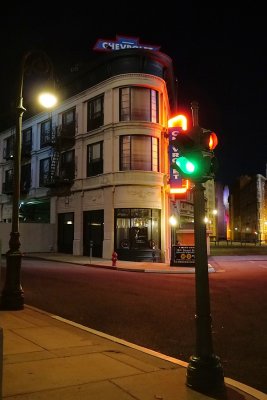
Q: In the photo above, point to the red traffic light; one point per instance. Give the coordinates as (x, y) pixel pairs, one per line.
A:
(213, 140)
(208, 140)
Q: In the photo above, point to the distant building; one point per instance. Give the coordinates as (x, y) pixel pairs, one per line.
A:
(222, 211)
(248, 209)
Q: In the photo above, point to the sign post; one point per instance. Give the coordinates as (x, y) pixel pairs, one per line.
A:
(91, 249)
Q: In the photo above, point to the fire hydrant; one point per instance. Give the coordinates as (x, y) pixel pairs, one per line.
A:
(114, 258)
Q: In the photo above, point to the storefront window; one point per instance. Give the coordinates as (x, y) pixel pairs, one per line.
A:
(137, 228)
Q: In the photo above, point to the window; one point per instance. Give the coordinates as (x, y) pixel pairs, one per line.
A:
(26, 142)
(138, 152)
(8, 152)
(137, 228)
(25, 181)
(44, 173)
(95, 159)
(139, 104)
(95, 113)
(46, 133)
(8, 184)
(67, 166)
(68, 122)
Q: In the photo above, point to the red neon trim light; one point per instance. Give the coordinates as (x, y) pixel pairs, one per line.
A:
(179, 121)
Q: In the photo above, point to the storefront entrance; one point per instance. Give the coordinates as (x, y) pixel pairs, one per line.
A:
(137, 234)
(93, 233)
(65, 232)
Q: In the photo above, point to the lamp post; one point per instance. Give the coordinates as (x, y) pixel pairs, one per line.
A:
(215, 223)
(12, 297)
(173, 223)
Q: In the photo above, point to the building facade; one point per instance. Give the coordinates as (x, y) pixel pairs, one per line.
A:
(97, 166)
(248, 209)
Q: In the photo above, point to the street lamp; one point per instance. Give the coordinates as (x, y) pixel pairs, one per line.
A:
(12, 297)
(173, 223)
(215, 223)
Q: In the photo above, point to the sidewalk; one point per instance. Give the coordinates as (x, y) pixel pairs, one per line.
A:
(47, 357)
(120, 265)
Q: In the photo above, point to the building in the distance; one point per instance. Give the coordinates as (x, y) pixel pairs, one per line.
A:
(248, 209)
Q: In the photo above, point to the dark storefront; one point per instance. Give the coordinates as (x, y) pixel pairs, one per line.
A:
(93, 233)
(137, 234)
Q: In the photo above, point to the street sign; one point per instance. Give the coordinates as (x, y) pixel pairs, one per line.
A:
(184, 255)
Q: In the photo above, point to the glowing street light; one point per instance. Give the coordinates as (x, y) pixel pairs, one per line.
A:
(47, 100)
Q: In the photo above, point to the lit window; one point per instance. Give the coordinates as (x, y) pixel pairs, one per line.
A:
(139, 104)
(138, 152)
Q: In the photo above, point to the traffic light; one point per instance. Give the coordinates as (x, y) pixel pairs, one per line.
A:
(196, 160)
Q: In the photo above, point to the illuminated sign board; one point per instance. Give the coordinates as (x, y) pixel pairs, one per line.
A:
(176, 125)
(184, 255)
(122, 43)
(175, 179)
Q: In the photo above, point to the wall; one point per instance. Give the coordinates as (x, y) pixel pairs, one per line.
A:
(33, 237)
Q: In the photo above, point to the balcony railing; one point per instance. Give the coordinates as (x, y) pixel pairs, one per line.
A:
(63, 178)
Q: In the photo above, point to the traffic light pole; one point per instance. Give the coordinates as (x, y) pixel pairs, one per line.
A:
(204, 371)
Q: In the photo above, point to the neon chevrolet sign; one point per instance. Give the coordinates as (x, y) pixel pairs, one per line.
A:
(176, 125)
(122, 43)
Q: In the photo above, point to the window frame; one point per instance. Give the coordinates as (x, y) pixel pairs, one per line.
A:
(153, 104)
(95, 118)
(67, 167)
(45, 134)
(95, 167)
(130, 161)
(44, 177)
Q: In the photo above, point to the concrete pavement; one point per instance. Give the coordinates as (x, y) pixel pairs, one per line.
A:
(47, 357)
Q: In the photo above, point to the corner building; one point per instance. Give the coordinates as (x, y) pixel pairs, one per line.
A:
(98, 164)
(119, 199)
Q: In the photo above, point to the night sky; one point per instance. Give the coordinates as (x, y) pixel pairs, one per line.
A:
(219, 57)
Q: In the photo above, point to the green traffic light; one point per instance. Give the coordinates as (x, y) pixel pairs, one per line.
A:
(199, 166)
(186, 166)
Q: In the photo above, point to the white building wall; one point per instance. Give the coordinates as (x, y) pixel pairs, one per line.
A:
(33, 237)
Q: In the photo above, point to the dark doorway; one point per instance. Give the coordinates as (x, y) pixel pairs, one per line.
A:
(65, 233)
(93, 232)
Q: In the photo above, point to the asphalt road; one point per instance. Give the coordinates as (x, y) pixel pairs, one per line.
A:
(157, 311)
